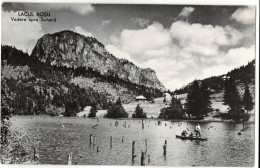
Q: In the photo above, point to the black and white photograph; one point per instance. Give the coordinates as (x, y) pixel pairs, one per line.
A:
(129, 84)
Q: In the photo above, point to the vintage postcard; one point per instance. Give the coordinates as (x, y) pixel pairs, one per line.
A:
(129, 84)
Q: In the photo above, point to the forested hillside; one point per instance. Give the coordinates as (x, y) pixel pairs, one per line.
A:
(243, 74)
(35, 87)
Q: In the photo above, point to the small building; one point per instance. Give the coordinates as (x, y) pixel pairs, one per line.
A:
(225, 77)
(140, 98)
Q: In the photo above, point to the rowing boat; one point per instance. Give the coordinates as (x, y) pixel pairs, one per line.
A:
(191, 138)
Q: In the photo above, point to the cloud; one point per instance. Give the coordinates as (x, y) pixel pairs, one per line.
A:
(166, 69)
(106, 22)
(183, 52)
(186, 11)
(23, 35)
(239, 56)
(82, 31)
(244, 15)
(142, 22)
(152, 38)
(119, 53)
(226, 62)
(204, 39)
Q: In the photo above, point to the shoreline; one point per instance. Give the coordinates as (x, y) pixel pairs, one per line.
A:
(153, 119)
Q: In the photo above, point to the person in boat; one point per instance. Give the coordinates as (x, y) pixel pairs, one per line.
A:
(191, 134)
(184, 133)
(197, 130)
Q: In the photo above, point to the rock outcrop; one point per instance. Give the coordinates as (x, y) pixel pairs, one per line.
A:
(71, 49)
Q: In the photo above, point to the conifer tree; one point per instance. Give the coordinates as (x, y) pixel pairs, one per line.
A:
(198, 101)
(118, 102)
(205, 99)
(70, 109)
(247, 100)
(192, 107)
(233, 100)
(93, 111)
(227, 92)
(116, 110)
(164, 99)
(175, 111)
(139, 112)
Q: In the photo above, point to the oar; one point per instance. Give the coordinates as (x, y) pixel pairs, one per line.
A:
(244, 129)
(95, 126)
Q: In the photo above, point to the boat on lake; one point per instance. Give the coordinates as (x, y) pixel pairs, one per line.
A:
(191, 138)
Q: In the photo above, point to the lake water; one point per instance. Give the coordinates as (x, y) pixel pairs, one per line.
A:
(56, 137)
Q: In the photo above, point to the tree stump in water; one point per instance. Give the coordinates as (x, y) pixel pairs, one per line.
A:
(165, 147)
(142, 159)
(90, 139)
(133, 149)
(110, 141)
(69, 160)
(35, 155)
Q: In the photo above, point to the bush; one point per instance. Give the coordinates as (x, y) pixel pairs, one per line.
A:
(54, 111)
(18, 150)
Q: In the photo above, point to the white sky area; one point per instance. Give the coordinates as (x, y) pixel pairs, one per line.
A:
(185, 50)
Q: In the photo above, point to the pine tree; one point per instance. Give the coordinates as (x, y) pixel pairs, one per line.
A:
(70, 109)
(116, 110)
(205, 102)
(233, 100)
(227, 93)
(93, 111)
(164, 99)
(247, 100)
(192, 107)
(198, 101)
(118, 102)
(189, 104)
(139, 112)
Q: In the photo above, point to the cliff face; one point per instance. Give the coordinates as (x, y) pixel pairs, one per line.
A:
(70, 49)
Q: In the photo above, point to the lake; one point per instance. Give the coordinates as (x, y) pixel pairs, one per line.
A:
(56, 137)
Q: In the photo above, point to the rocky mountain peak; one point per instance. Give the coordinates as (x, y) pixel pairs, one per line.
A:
(70, 49)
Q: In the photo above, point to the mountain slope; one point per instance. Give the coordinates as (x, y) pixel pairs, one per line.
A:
(39, 87)
(243, 74)
(70, 49)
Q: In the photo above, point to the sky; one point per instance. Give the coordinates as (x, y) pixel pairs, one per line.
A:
(180, 42)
